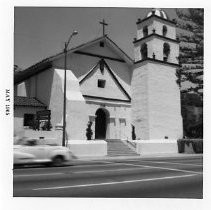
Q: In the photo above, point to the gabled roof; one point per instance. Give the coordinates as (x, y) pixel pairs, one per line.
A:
(47, 63)
(112, 74)
(26, 101)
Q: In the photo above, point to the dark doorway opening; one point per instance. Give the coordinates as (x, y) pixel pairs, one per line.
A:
(100, 124)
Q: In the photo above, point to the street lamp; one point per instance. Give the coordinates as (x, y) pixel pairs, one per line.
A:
(65, 72)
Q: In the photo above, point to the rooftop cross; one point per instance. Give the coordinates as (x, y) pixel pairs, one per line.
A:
(103, 23)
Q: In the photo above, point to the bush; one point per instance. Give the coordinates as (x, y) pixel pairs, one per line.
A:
(47, 126)
(133, 133)
(89, 132)
(197, 145)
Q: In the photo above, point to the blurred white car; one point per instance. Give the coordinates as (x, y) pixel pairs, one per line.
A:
(35, 151)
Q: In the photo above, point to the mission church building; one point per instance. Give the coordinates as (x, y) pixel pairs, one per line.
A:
(108, 88)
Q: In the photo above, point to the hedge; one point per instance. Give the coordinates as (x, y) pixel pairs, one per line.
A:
(197, 145)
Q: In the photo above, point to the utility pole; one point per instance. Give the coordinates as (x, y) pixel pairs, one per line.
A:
(65, 87)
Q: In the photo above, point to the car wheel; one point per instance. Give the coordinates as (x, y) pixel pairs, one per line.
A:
(58, 160)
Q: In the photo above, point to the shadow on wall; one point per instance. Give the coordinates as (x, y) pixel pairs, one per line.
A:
(44, 86)
(56, 100)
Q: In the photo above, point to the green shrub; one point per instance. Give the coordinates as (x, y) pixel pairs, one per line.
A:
(133, 133)
(47, 126)
(181, 145)
(197, 145)
(89, 131)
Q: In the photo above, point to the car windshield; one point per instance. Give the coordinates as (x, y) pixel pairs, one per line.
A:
(34, 142)
(31, 142)
(27, 142)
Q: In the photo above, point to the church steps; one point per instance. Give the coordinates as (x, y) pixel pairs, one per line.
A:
(119, 148)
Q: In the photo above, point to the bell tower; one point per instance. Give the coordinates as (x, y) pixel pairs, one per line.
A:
(156, 106)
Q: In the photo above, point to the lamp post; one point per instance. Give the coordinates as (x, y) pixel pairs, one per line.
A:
(65, 78)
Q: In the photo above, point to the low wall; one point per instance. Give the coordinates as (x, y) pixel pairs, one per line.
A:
(83, 148)
(145, 147)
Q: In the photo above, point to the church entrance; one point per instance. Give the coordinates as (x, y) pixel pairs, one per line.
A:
(101, 122)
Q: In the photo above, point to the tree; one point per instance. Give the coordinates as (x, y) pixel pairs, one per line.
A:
(190, 31)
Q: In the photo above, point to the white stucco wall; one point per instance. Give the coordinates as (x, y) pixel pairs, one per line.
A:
(156, 109)
(49, 90)
(21, 89)
(141, 25)
(164, 102)
(119, 122)
(155, 45)
(88, 148)
(171, 29)
(140, 109)
(157, 24)
(76, 108)
(81, 64)
(156, 147)
(111, 89)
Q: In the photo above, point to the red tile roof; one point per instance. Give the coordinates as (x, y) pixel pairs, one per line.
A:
(26, 101)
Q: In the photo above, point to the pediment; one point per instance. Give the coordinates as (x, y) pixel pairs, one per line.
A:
(92, 83)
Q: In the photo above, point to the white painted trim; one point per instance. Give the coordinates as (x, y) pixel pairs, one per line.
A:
(164, 168)
(108, 170)
(174, 163)
(113, 183)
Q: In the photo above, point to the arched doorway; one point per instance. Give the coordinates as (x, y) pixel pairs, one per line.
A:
(101, 122)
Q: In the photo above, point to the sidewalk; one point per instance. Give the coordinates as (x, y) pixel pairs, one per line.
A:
(142, 157)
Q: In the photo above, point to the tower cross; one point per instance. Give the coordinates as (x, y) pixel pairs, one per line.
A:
(103, 23)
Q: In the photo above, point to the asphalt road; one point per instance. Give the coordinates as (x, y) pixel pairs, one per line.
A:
(134, 178)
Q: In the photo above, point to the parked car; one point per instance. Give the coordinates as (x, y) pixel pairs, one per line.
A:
(35, 151)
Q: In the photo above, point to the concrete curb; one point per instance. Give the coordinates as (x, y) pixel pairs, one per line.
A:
(155, 156)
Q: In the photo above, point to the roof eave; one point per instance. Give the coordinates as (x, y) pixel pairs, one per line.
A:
(158, 17)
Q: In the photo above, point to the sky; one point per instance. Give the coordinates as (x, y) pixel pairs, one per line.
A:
(40, 32)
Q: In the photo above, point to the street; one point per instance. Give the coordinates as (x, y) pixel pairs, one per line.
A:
(178, 177)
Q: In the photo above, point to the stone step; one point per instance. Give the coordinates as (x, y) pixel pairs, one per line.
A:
(118, 148)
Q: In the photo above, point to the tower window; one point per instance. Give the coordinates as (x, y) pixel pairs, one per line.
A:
(164, 30)
(166, 49)
(145, 31)
(101, 44)
(144, 51)
(101, 83)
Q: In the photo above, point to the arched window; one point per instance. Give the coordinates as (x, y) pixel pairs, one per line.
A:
(166, 50)
(145, 31)
(144, 51)
(164, 30)
(102, 66)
